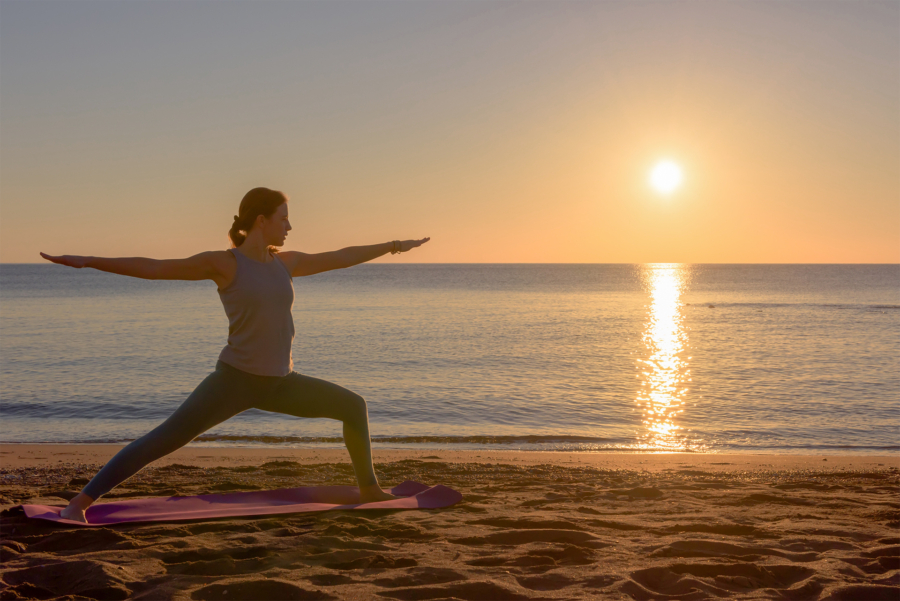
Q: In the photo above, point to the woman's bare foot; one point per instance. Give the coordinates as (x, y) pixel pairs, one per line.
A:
(76, 508)
(372, 494)
(74, 514)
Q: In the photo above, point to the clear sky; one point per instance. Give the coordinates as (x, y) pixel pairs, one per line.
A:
(506, 131)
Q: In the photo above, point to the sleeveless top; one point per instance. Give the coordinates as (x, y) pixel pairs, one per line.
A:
(258, 303)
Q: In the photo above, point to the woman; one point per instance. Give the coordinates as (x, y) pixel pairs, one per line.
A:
(255, 367)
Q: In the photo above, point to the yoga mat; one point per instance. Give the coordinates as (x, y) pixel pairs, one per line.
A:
(260, 502)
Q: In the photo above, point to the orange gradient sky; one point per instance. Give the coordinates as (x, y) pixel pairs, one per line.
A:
(505, 131)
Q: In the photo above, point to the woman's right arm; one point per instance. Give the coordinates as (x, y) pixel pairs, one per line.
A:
(203, 266)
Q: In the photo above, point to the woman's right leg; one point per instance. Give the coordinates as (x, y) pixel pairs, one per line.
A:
(305, 396)
(221, 395)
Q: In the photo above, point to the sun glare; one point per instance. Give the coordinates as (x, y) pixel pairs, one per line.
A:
(665, 177)
(665, 370)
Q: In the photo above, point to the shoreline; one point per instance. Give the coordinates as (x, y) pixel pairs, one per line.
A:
(27, 455)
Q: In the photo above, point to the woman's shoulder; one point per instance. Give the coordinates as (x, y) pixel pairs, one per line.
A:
(223, 265)
(286, 257)
(223, 257)
(223, 262)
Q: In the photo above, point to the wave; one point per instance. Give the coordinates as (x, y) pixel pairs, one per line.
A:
(440, 440)
(482, 439)
(562, 443)
(861, 307)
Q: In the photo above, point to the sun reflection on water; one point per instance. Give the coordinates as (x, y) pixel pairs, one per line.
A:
(664, 372)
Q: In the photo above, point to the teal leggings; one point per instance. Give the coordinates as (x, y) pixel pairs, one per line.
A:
(228, 391)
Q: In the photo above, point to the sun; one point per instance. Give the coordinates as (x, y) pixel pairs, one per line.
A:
(665, 177)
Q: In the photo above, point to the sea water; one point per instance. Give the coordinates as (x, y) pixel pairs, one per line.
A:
(581, 357)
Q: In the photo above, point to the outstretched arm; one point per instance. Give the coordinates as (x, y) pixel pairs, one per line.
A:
(203, 266)
(301, 264)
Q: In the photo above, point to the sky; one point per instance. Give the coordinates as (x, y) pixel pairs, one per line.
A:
(508, 132)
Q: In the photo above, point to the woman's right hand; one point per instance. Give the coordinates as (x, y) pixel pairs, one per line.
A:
(408, 245)
(69, 260)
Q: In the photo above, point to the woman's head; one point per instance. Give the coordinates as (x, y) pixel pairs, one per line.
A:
(261, 210)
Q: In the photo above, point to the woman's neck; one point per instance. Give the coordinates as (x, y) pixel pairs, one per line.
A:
(256, 250)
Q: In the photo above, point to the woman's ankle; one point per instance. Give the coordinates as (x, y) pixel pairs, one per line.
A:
(81, 501)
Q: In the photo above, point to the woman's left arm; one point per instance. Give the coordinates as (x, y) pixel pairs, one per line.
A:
(301, 264)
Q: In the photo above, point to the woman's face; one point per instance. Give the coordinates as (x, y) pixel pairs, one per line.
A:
(276, 226)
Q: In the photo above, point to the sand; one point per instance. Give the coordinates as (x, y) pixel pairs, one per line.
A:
(530, 526)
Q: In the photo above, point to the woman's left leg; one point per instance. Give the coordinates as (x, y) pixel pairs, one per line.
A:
(221, 395)
(305, 396)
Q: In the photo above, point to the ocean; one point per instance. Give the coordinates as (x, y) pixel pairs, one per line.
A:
(707, 358)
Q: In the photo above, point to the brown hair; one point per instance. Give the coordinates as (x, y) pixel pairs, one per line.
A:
(256, 202)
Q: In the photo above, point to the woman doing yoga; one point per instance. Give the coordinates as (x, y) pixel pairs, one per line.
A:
(255, 367)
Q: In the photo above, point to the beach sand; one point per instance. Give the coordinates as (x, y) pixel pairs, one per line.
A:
(530, 526)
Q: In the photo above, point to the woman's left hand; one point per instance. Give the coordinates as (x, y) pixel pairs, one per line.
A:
(75, 261)
(406, 245)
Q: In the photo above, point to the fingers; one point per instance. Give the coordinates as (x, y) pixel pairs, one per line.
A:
(58, 260)
(414, 243)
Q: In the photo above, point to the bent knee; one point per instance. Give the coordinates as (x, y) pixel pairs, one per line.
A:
(356, 406)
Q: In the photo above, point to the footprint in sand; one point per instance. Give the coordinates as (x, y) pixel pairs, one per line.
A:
(419, 576)
(759, 498)
(72, 542)
(546, 582)
(527, 524)
(522, 561)
(330, 579)
(372, 561)
(879, 560)
(464, 590)
(601, 581)
(521, 537)
(290, 531)
(707, 548)
(724, 529)
(568, 555)
(213, 562)
(856, 592)
(702, 580)
(397, 531)
(341, 542)
(10, 550)
(613, 525)
(638, 493)
(253, 590)
(223, 566)
(84, 578)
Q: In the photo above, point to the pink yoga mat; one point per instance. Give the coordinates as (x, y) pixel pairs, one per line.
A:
(262, 502)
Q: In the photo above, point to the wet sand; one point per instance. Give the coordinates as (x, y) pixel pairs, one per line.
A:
(530, 526)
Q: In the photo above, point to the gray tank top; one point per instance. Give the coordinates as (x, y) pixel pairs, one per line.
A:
(258, 303)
